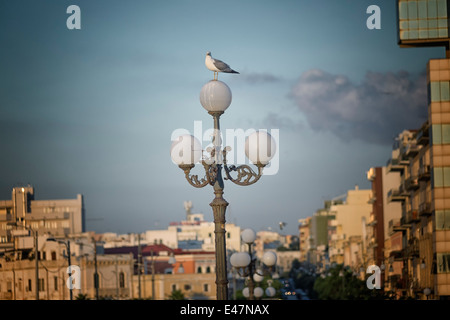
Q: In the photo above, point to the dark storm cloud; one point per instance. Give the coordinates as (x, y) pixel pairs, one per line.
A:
(375, 111)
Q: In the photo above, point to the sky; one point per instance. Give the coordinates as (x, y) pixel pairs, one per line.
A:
(92, 111)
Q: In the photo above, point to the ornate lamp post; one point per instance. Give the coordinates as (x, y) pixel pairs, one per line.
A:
(186, 151)
(245, 264)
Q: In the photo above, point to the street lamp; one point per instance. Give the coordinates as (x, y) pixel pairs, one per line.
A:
(96, 279)
(67, 244)
(171, 261)
(186, 151)
(245, 264)
(36, 253)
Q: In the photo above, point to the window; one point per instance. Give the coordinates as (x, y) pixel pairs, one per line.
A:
(187, 287)
(55, 283)
(121, 279)
(228, 235)
(443, 262)
(41, 284)
(199, 270)
(442, 219)
(206, 287)
(30, 288)
(53, 254)
(208, 269)
(422, 19)
(174, 287)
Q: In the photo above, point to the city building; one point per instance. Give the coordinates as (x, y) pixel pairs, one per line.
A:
(383, 216)
(193, 233)
(304, 236)
(426, 238)
(18, 273)
(56, 217)
(349, 220)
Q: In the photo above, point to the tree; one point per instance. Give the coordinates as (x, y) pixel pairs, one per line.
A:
(176, 295)
(339, 283)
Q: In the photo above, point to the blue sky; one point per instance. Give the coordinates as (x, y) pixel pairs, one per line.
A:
(92, 111)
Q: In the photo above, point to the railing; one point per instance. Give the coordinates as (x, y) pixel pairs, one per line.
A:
(412, 216)
(412, 250)
(411, 183)
(396, 195)
(425, 209)
(396, 164)
(424, 172)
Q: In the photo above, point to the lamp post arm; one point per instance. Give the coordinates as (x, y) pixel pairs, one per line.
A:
(193, 179)
(245, 174)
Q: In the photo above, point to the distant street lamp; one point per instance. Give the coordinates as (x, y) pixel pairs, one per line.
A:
(245, 264)
(171, 262)
(36, 252)
(186, 151)
(67, 244)
(96, 279)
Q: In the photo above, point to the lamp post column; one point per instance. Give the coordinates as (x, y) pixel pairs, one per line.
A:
(219, 205)
(251, 283)
(70, 269)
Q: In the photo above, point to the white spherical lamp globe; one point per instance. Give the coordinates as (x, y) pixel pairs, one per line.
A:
(248, 236)
(246, 292)
(258, 292)
(270, 291)
(260, 147)
(186, 150)
(215, 96)
(240, 259)
(269, 258)
(257, 277)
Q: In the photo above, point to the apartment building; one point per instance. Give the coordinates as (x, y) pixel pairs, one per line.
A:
(425, 219)
(349, 221)
(59, 218)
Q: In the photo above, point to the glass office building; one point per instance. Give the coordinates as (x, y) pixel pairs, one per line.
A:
(423, 22)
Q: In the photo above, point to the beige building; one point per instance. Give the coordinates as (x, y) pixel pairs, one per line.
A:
(194, 286)
(349, 220)
(56, 217)
(304, 237)
(18, 273)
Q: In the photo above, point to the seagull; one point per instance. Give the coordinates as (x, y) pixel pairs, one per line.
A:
(217, 66)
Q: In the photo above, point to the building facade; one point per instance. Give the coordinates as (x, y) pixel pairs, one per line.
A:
(56, 217)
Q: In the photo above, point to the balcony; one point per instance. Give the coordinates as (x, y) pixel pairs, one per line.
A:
(397, 255)
(404, 222)
(395, 226)
(424, 173)
(412, 250)
(396, 164)
(396, 195)
(412, 149)
(412, 216)
(411, 183)
(372, 220)
(425, 209)
(371, 174)
(423, 136)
